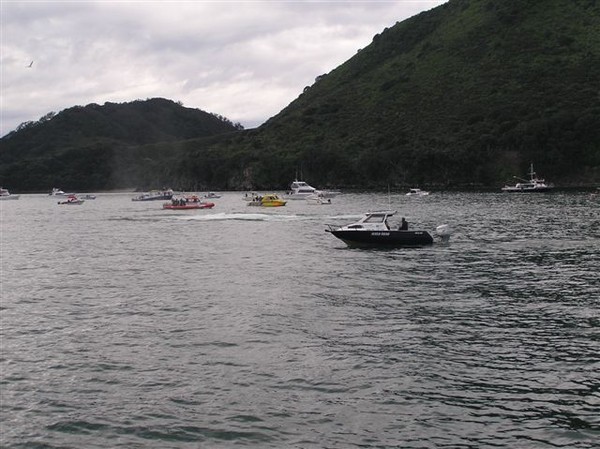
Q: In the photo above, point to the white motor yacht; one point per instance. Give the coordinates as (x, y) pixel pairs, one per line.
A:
(300, 190)
(534, 184)
(57, 192)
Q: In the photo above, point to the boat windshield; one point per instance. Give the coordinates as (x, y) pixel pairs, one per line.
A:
(375, 218)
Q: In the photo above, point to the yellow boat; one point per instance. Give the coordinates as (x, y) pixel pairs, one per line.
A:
(268, 200)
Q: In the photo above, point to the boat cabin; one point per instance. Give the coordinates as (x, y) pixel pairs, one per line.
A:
(301, 187)
(372, 221)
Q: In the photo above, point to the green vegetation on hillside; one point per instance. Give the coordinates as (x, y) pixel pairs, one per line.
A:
(468, 93)
(97, 147)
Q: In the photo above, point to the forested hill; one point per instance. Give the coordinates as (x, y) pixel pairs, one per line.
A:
(80, 144)
(470, 92)
(136, 123)
(467, 94)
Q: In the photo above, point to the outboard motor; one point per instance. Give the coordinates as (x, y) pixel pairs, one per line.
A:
(444, 232)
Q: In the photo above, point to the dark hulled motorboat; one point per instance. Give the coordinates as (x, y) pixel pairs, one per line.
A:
(374, 230)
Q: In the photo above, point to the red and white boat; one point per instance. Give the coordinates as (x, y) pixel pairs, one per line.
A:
(188, 202)
(72, 199)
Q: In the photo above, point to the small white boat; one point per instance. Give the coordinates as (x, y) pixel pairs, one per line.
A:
(300, 190)
(155, 195)
(212, 195)
(534, 184)
(318, 199)
(417, 192)
(56, 192)
(6, 195)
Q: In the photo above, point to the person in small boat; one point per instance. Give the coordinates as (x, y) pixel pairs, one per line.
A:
(404, 225)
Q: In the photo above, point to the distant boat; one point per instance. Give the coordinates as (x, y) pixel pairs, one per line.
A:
(268, 200)
(300, 190)
(417, 192)
(317, 198)
(534, 184)
(188, 202)
(56, 192)
(6, 195)
(212, 195)
(249, 196)
(155, 195)
(72, 200)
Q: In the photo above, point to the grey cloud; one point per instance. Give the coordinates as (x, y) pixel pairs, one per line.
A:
(243, 60)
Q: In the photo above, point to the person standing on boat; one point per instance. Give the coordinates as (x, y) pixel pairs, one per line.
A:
(404, 225)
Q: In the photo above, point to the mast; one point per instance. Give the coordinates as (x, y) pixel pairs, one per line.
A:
(531, 172)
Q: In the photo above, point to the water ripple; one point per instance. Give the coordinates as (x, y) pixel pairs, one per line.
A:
(126, 327)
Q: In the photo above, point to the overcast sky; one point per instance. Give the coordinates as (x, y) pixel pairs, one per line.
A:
(245, 60)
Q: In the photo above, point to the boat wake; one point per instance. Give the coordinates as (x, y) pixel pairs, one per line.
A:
(233, 216)
(239, 216)
(345, 217)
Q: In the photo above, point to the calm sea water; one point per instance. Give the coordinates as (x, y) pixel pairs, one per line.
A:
(126, 326)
